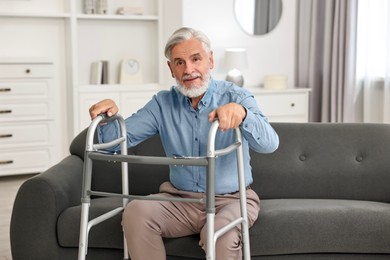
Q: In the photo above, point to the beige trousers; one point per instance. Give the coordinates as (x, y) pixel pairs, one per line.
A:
(146, 222)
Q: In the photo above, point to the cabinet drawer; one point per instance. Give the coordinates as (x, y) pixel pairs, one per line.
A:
(28, 111)
(19, 162)
(282, 104)
(24, 89)
(24, 135)
(26, 70)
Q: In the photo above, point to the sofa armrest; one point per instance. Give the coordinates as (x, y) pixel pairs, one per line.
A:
(38, 203)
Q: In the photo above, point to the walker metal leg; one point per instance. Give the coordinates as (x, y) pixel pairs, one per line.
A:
(210, 255)
(83, 246)
(125, 249)
(210, 205)
(125, 187)
(85, 203)
(243, 201)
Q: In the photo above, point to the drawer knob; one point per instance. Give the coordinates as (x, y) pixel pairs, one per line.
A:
(6, 111)
(6, 136)
(292, 105)
(28, 71)
(6, 162)
(5, 89)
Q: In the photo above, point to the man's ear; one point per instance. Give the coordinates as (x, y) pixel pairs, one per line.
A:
(169, 66)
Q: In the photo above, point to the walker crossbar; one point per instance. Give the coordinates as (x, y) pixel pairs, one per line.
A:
(138, 159)
(143, 197)
(92, 153)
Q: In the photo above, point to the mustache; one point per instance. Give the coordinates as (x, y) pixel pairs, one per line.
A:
(192, 76)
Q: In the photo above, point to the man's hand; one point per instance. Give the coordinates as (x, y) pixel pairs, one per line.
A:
(106, 106)
(230, 116)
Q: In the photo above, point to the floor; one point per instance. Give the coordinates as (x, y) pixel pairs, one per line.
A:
(9, 186)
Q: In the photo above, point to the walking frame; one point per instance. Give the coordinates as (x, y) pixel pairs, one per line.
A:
(92, 153)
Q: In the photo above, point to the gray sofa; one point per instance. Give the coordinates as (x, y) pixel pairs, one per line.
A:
(325, 195)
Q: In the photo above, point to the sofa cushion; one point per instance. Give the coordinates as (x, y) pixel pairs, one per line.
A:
(293, 226)
(326, 161)
(285, 226)
(144, 179)
(108, 234)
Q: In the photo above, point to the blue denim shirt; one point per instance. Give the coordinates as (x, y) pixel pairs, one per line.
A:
(184, 131)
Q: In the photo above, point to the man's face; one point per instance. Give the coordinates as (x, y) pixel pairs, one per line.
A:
(190, 65)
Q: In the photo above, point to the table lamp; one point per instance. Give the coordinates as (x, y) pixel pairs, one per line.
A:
(235, 60)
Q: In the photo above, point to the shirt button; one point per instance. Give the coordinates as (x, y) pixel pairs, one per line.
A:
(196, 139)
(196, 117)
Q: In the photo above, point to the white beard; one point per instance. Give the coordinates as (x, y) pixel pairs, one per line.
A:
(194, 91)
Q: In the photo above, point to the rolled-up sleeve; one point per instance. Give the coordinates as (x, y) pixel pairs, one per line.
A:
(256, 129)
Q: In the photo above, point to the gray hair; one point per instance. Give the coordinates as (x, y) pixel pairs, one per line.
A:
(184, 34)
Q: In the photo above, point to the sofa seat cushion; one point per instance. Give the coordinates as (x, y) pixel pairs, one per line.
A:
(108, 234)
(293, 226)
(285, 226)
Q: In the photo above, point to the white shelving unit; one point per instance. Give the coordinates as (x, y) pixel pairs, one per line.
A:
(33, 55)
(112, 38)
(60, 31)
(83, 39)
(29, 125)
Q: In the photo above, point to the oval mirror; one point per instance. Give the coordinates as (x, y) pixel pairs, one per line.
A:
(257, 17)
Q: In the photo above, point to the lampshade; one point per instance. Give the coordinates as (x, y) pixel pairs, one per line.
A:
(235, 61)
(235, 58)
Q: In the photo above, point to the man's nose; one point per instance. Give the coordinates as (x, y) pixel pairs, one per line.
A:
(189, 68)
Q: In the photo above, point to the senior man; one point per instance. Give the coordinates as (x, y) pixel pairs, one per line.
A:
(182, 117)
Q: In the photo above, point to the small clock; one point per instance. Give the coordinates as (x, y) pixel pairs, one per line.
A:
(130, 72)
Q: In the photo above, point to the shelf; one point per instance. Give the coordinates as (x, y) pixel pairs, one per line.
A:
(276, 91)
(118, 17)
(24, 60)
(35, 15)
(119, 87)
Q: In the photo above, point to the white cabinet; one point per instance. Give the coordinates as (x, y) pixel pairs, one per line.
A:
(61, 31)
(33, 85)
(128, 99)
(113, 38)
(29, 127)
(287, 105)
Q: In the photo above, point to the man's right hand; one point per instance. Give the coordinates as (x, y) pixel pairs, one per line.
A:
(106, 106)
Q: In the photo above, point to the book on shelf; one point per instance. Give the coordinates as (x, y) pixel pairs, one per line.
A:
(99, 72)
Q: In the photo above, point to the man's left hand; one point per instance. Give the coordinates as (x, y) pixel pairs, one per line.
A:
(230, 116)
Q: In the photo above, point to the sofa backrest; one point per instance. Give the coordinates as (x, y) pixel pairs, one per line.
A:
(326, 161)
(314, 160)
(143, 179)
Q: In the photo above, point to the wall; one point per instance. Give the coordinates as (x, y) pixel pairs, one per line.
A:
(272, 53)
